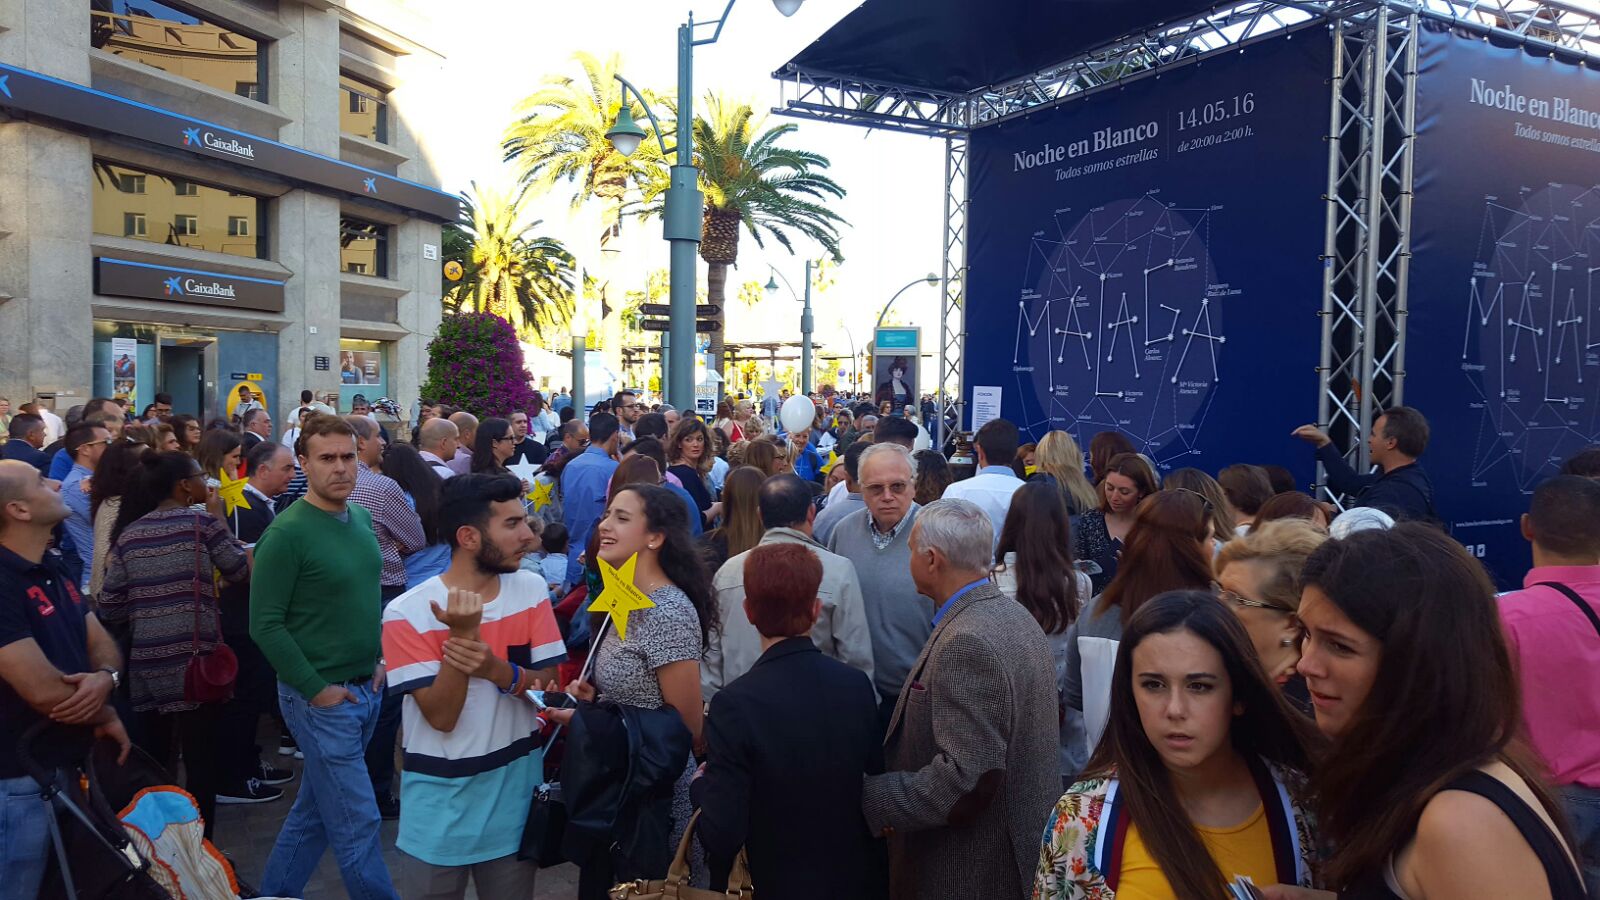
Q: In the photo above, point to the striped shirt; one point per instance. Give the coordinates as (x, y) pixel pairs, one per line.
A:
(465, 793)
(394, 521)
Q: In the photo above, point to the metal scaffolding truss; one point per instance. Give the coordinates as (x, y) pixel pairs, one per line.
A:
(1372, 132)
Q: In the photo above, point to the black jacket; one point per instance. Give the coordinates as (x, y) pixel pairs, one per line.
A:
(617, 778)
(528, 451)
(788, 744)
(1404, 493)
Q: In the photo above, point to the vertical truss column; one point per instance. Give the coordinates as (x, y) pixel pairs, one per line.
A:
(1367, 246)
(952, 316)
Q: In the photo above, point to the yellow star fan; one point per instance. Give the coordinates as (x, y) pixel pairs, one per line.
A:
(620, 596)
(231, 490)
(833, 460)
(541, 494)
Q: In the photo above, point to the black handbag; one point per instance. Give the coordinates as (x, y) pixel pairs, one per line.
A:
(545, 828)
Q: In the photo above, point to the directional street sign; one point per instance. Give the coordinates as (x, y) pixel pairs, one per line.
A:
(703, 311)
(700, 325)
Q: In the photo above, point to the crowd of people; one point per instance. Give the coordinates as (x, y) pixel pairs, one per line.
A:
(864, 670)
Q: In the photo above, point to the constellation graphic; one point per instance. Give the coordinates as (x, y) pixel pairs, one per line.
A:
(1530, 331)
(1119, 324)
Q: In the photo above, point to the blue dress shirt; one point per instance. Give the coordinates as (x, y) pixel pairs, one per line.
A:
(583, 501)
(79, 524)
(953, 598)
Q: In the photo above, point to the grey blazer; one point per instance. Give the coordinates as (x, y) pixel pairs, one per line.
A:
(971, 754)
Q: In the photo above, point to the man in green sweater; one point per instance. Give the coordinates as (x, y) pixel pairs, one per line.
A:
(314, 611)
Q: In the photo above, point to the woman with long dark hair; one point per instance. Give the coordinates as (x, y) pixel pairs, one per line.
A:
(741, 527)
(1168, 549)
(187, 430)
(112, 477)
(219, 451)
(493, 445)
(768, 455)
(1098, 534)
(1223, 528)
(1428, 791)
(1199, 778)
(1035, 569)
(1104, 447)
(406, 466)
(659, 664)
(933, 476)
(167, 546)
(689, 457)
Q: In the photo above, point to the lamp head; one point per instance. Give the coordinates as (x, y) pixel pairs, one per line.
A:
(771, 286)
(932, 278)
(788, 7)
(626, 134)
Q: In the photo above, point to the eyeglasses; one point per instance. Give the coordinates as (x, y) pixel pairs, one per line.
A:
(1195, 493)
(94, 443)
(894, 487)
(508, 437)
(1228, 596)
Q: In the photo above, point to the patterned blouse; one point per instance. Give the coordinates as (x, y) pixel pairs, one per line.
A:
(161, 577)
(1092, 542)
(669, 632)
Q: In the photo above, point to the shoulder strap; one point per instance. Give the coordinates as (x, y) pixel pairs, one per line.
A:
(1577, 601)
(1546, 844)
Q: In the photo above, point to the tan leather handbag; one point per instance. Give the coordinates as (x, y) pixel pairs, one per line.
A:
(676, 885)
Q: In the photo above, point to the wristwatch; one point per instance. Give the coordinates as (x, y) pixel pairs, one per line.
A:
(116, 677)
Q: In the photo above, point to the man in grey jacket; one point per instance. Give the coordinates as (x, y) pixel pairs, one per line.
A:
(972, 744)
(840, 631)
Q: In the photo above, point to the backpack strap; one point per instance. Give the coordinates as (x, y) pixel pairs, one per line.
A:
(1577, 601)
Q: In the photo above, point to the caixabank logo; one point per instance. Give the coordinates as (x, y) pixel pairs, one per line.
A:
(179, 286)
(194, 137)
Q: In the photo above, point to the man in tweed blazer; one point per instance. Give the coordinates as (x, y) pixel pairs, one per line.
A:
(972, 745)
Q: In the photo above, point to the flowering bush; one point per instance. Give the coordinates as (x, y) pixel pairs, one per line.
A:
(475, 364)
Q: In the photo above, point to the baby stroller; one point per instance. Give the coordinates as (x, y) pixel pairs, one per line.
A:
(120, 832)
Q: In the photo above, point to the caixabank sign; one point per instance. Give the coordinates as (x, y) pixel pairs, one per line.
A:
(147, 281)
(88, 110)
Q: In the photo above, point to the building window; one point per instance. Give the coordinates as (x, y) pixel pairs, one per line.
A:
(233, 223)
(365, 110)
(175, 40)
(363, 247)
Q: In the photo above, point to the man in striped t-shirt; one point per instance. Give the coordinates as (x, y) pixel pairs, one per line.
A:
(462, 647)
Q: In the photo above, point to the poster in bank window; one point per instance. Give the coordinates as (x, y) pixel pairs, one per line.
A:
(1147, 260)
(360, 366)
(1503, 344)
(124, 369)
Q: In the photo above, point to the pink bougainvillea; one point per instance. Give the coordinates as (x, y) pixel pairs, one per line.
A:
(475, 364)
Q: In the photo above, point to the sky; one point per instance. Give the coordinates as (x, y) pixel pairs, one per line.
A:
(499, 51)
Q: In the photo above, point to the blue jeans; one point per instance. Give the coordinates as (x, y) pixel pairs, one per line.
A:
(335, 805)
(24, 838)
(1582, 805)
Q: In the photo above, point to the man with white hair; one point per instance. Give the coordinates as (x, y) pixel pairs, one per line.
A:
(876, 540)
(971, 750)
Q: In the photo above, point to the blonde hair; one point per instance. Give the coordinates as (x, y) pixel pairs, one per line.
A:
(1058, 456)
(1281, 547)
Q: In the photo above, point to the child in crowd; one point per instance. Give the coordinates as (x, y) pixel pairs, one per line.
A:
(554, 564)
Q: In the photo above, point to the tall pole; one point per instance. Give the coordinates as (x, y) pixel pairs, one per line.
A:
(666, 356)
(682, 228)
(806, 327)
(580, 345)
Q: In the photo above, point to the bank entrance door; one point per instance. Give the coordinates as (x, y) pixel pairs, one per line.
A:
(183, 374)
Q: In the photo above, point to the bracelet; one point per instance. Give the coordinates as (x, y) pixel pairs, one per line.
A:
(516, 676)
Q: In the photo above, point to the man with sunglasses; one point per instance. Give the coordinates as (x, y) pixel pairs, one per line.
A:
(86, 443)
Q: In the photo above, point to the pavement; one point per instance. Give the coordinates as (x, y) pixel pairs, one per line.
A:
(246, 834)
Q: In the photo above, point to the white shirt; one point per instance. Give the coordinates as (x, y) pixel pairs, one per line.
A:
(54, 428)
(991, 490)
(437, 464)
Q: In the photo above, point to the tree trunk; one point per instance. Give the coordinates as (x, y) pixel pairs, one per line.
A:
(717, 295)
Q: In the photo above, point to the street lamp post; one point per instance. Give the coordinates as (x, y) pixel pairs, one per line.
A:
(683, 203)
(807, 326)
(929, 278)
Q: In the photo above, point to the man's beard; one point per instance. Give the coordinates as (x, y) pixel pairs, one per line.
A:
(492, 561)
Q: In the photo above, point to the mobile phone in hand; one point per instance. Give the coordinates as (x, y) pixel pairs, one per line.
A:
(543, 700)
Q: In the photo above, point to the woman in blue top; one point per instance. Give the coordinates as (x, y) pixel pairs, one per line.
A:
(404, 464)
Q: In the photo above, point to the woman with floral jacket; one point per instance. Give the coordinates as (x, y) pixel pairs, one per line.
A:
(1197, 780)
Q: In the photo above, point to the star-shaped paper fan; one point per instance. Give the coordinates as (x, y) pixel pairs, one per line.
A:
(231, 490)
(620, 595)
(541, 494)
(833, 460)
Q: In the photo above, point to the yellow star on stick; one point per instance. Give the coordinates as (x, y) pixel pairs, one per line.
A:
(540, 495)
(620, 596)
(833, 460)
(231, 490)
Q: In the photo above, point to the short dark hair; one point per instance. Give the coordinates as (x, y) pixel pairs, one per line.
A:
(784, 500)
(570, 426)
(1408, 428)
(649, 448)
(465, 500)
(305, 396)
(852, 458)
(780, 587)
(900, 430)
(1246, 487)
(99, 404)
(22, 424)
(164, 398)
(250, 415)
(998, 440)
(554, 538)
(1564, 516)
(78, 435)
(259, 455)
(319, 425)
(651, 425)
(1281, 479)
(602, 426)
(1585, 463)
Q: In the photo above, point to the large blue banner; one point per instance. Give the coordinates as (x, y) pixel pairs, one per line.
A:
(1503, 349)
(1148, 260)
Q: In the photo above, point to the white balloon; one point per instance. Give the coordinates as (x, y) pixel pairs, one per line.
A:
(797, 413)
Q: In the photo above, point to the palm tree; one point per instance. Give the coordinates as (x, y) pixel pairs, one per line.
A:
(560, 136)
(510, 271)
(752, 182)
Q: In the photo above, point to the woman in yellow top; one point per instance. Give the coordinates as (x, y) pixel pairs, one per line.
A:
(1197, 780)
